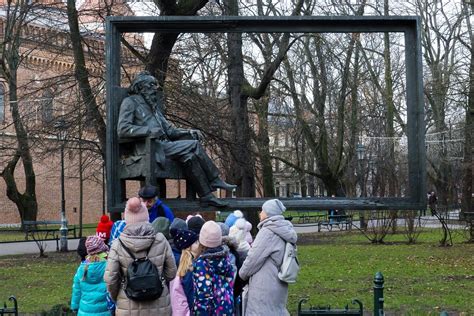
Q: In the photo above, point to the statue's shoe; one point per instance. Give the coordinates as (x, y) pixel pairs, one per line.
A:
(211, 200)
(221, 184)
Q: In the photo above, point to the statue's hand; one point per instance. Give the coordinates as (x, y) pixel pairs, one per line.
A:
(157, 132)
(196, 134)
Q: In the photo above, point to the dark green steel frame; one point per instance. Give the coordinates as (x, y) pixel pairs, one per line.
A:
(408, 25)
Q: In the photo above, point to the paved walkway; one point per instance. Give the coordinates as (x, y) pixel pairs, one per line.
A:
(30, 247)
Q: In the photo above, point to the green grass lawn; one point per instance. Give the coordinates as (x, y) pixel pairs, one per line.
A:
(420, 279)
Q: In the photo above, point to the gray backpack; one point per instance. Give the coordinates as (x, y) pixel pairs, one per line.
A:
(290, 266)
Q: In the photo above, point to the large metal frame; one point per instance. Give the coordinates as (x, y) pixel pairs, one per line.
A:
(408, 25)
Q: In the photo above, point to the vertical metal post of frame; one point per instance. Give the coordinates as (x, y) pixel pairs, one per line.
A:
(415, 114)
(112, 52)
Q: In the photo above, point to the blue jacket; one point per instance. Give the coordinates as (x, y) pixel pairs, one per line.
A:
(117, 229)
(160, 207)
(176, 254)
(188, 287)
(89, 296)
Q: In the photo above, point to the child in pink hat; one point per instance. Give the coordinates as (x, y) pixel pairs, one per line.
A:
(214, 274)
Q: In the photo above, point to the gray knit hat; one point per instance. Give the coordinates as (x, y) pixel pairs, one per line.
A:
(178, 223)
(273, 207)
(162, 225)
(224, 229)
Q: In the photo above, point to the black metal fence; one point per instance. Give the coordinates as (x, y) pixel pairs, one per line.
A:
(10, 310)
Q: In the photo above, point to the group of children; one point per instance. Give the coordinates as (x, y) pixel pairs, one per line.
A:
(198, 260)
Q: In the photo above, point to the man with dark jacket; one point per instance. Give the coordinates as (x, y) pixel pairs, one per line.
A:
(156, 208)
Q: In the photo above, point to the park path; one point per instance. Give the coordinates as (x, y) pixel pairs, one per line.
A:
(30, 247)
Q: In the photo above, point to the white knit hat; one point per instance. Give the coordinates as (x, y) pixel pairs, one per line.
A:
(273, 207)
(210, 235)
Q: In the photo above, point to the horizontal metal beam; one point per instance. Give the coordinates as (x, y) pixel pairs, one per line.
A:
(288, 24)
(295, 204)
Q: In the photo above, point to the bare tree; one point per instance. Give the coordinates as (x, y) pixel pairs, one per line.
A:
(240, 91)
(16, 18)
(440, 36)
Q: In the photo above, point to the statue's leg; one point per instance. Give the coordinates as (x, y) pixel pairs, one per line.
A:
(207, 164)
(191, 150)
(196, 175)
(211, 171)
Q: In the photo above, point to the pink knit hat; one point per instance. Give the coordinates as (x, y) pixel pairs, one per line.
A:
(211, 235)
(135, 212)
(95, 244)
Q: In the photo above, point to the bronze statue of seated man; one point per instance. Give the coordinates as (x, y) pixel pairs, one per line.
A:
(141, 116)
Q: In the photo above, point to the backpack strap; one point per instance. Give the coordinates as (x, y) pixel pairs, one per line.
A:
(130, 252)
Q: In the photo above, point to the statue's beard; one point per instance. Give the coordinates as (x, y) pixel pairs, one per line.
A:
(151, 98)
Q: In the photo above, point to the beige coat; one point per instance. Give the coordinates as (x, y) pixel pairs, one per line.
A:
(138, 238)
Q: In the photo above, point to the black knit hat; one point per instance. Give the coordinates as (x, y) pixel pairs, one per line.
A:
(148, 192)
(195, 223)
(184, 238)
(177, 223)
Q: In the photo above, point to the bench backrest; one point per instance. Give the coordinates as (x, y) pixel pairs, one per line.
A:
(42, 223)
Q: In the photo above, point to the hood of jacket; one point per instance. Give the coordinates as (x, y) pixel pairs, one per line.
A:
(281, 227)
(138, 237)
(95, 271)
(218, 259)
(230, 242)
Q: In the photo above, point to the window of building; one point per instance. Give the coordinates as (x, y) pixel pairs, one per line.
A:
(2, 102)
(47, 106)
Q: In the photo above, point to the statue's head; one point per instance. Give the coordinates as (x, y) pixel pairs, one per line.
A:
(142, 82)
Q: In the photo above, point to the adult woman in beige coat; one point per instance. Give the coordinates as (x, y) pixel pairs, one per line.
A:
(138, 236)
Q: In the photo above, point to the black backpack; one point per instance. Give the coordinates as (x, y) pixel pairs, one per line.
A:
(144, 282)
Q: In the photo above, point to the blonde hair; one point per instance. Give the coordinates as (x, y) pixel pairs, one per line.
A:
(187, 258)
(185, 262)
(93, 258)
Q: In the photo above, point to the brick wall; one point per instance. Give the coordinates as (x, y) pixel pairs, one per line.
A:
(48, 192)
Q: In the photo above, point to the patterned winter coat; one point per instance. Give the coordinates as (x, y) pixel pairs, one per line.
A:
(138, 238)
(89, 294)
(213, 283)
(267, 295)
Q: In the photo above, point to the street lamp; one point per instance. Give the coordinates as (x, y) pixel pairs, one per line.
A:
(360, 150)
(61, 128)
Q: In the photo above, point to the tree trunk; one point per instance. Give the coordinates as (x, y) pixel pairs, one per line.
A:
(25, 202)
(82, 76)
(390, 107)
(263, 147)
(163, 43)
(242, 153)
(159, 55)
(467, 200)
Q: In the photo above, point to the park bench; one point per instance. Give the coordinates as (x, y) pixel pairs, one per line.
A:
(341, 221)
(327, 310)
(33, 228)
(10, 310)
(309, 217)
